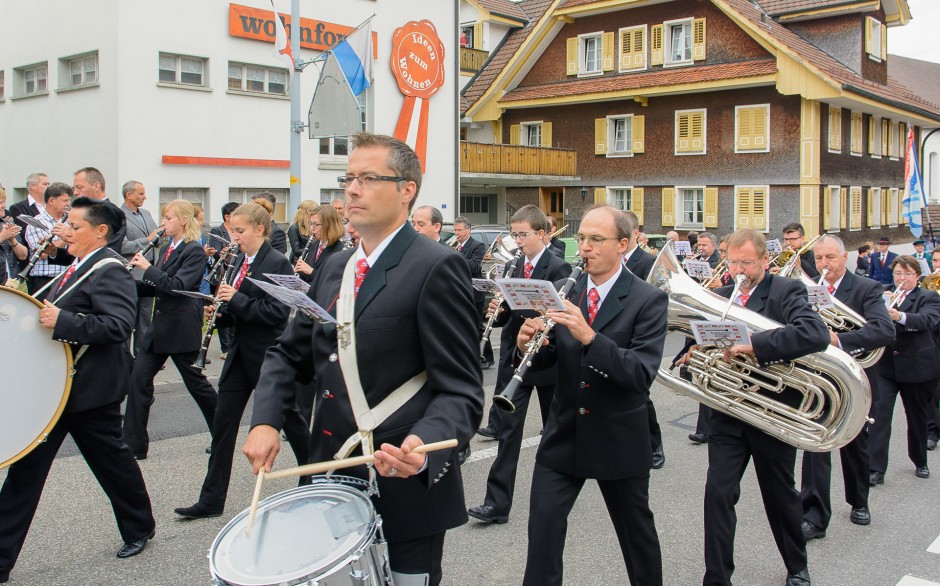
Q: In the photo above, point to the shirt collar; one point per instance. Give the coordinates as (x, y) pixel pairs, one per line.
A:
(535, 260)
(78, 262)
(836, 285)
(629, 253)
(374, 257)
(604, 290)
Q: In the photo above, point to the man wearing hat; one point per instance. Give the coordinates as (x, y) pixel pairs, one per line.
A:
(920, 255)
(880, 268)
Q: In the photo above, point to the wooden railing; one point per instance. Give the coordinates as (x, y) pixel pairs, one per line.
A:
(516, 160)
(472, 60)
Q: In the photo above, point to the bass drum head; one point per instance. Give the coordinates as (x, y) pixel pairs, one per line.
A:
(298, 535)
(37, 376)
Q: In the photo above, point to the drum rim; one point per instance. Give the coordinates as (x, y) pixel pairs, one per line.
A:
(234, 524)
(34, 443)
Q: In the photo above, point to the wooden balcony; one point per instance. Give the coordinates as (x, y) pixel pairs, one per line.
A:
(472, 60)
(506, 159)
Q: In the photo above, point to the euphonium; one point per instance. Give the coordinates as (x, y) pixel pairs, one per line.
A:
(832, 388)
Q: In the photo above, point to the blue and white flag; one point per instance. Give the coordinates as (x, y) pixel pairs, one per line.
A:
(354, 55)
(913, 189)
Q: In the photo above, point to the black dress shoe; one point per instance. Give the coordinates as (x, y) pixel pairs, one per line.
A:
(876, 478)
(209, 450)
(462, 455)
(198, 511)
(140, 456)
(800, 578)
(931, 444)
(487, 364)
(659, 458)
(135, 547)
(488, 432)
(699, 438)
(811, 531)
(922, 472)
(487, 514)
(860, 516)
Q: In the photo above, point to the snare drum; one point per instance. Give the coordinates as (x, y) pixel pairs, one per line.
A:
(325, 534)
(38, 376)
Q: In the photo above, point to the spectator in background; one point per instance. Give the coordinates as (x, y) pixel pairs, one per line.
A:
(880, 267)
(863, 264)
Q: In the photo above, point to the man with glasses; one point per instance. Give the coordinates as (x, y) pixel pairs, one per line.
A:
(881, 261)
(732, 443)
(527, 227)
(794, 237)
(428, 220)
(397, 290)
(598, 427)
(473, 251)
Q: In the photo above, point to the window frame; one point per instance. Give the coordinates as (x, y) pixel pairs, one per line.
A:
(680, 207)
(19, 80)
(65, 72)
(737, 109)
(179, 195)
(853, 189)
(612, 120)
(598, 38)
(876, 41)
(835, 208)
(524, 132)
(243, 91)
(281, 196)
(704, 150)
(646, 58)
(877, 213)
(667, 42)
(627, 199)
(178, 72)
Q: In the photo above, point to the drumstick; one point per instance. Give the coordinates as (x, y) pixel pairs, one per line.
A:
(321, 467)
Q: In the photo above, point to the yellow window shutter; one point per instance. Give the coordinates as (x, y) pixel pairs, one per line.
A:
(760, 133)
(884, 42)
(835, 128)
(600, 136)
(868, 48)
(885, 137)
(827, 209)
(871, 135)
(697, 131)
(902, 219)
(742, 212)
(626, 48)
(639, 134)
(600, 195)
(759, 208)
(682, 133)
(871, 207)
(711, 207)
(885, 212)
(478, 35)
(656, 46)
(669, 206)
(745, 134)
(546, 134)
(843, 209)
(573, 56)
(902, 138)
(639, 47)
(608, 52)
(515, 133)
(698, 39)
(636, 203)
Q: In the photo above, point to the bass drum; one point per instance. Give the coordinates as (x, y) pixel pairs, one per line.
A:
(37, 377)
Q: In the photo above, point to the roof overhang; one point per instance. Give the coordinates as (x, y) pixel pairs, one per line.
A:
(513, 180)
(489, 15)
(604, 6)
(829, 11)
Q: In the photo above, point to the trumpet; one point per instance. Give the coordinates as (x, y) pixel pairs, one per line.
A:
(896, 298)
(150, 246)
(40, 248)
(499, 302)
(200, 362)
(504, 400)
(716, 274)
(787, 256)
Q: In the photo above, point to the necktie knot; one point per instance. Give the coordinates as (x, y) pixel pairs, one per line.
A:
(594, 300)
(528, 270)
(319, 252)
(744, 297)
(362, 268)
(169, 251)
(831, 289)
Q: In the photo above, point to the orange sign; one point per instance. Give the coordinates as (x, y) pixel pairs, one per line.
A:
(254, 23)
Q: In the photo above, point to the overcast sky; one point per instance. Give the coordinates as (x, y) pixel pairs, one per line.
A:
(918, 39)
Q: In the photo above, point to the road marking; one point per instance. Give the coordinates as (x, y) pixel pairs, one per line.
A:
(491, 452)
(912, 581)
(935, 546)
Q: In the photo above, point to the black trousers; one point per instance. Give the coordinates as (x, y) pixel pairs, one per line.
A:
(418, 556)
(933, 415)
(774, 461)
(144, 319)
(916, 398)
(97, 433)
(140, 399)
(816, 482)
(226, 338)
(656, 433)
(554, 494)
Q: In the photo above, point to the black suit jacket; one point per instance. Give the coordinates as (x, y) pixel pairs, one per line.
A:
(22, 207)
(600, 398)
(473, 252)
(549, 268)
(100, 312)
(803, 332)
(257, 317)
(714, 259)
(808, 264)
(296, 241)
(913, 357)
(317, 263)
(863, 295)
(278, 238)
(177, 319)
(640, 263)
(557, 247)
(414, 287)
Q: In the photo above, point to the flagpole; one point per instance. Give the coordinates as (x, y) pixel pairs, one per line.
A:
(296, 124)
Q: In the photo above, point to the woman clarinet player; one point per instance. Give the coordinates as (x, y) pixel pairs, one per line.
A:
(176, 330)
(298, 233)
(327, 227)
(258, 320)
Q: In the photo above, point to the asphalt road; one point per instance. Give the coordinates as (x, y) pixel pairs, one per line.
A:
(73, 538)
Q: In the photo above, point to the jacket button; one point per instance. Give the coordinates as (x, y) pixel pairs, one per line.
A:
(333, 357)
(582, 411)
(326, 394)
(581, 384)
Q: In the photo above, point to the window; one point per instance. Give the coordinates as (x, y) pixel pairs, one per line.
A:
(78, 71)
(893, 202)
(590, 54)
(835, 129)
(833, 209)
(591, 49)
(474, 204)
(182, 70)
(257, 79)
(876, 44)
(619, 136)
(874, 137)
(244, 195)
(855, 208)
(532, 134)
(885, 137)
(198, 196)
(750, 207)
(31, 80)
(466, 36)
(875, 211)
(621, 139)
(633, 48)
(902, 139)
(690, 132)
(892, 130)
(690, 202)
(752, 129)
(334, 150)
(856, 136)
(678, 42)
(626, 198)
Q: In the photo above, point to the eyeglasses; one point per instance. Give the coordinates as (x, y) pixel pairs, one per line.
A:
(594, 240)
(520, 235)
(744, 264)
(366, 180)
(794, 239)
(904, 274)
(315, 224)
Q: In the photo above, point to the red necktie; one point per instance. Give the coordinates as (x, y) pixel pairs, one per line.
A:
(528, 270)
(169, 251)
(362, 268)
(831, 289)
(319, 250)
(460, 247)
(594, 300)
(883, 258)
(65, 277)
(241, 275)
(744, 299)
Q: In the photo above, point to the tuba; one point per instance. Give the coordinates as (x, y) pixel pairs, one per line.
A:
(829, 388)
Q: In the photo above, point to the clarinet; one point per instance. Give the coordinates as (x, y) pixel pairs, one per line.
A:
(504, 399)
(224, 254)
(510, 268)
(200, 362)
(150, 246)
(46, 241)
(305, 250)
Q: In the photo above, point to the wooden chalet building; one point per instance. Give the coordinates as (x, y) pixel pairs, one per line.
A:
(697, 114)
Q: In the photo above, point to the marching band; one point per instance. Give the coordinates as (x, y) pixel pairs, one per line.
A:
(386, 356)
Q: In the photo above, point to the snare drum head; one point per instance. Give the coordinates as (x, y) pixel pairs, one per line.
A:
(298, 534)
(36, 370)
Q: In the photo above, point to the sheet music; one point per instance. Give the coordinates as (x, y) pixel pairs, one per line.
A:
(292, 282)
(530, 294)
(295, 300)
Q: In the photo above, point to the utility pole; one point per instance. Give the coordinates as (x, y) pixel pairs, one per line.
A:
(296, 124)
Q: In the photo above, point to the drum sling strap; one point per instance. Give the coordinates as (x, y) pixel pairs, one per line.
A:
(367, 418)
(94, 267)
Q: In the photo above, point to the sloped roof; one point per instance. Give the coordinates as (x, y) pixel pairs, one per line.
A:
(664, 77)
(505, 8)
(779, 7)
(920, 77)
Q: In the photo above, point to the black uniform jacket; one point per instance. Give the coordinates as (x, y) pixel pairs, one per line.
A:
(257, 317)
(296, 240)
(177, 319)
(804, 332)
(598, 425)
(414, 312)
(312, 260)
(863, 295)
(913, 357)
(808, 264)
(278, 238)
(473, 252)
(549, 268)
(640, 263)
(558, 246)
(99, 312)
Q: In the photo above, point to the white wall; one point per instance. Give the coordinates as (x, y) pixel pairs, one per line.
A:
(932, 168)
